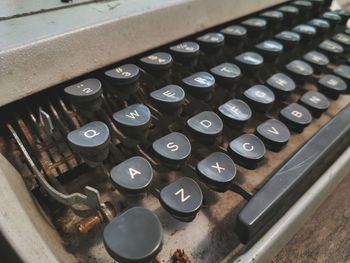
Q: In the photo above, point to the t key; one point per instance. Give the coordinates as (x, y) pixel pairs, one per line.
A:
(226, 74)
(274, 134)
(207, 125)
(296, 117)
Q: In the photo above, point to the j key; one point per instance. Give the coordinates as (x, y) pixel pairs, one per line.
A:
(259, 97)
(273, 18)
(288, 39)
(207, 125)
(290, 13)
(134, 236)
(133, 120)
(235, 112)
(306, 32)
(173, 148)
(332, 17)
(344, 14)
(169, 99)
(255, 26)
(300, 71)
(317, 60)
(304, 7)
(249, 62)
(217, 171)
(226, 74)
(331, 48)
(331, 86)
(342, 39)
(211, 41)
(343, 71)
(234, 35)
(86, 95)
(274, 134)
(185, 51)
(182, 199)
(132, 176)
(322, 26)
(157, 62)
(296, 117)
(200, 84)
(269, 49)
(123, 79)
(91, 142)
(281, 85)
(247, 150)
(315, 102)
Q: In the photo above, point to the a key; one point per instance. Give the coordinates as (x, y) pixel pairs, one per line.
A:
(273, 18)
(247, 150)
(134, 236)
(134, 120)
(342, 39)
(306, 32)
(206, 125)
(322, 26)
(255, 26)
(343, 71)
(274, 134)
(217, 171)
(173, 148)
(200, 85)
(226, 74)
(300, 71)
(133, 176)
(269, 49)
(91, 142)
(86, 95)
(333, 18)
(185, 51)
(249, 62)
(234, 35)
(315, 102)
(259, 97)
(281, 85)
(182, 199)
(169, 99)
(211, 42)
(235, 112)
(331, 86)
(288, 39)
(317, 60)
(159, 62)
(331, 48)
(296, 117)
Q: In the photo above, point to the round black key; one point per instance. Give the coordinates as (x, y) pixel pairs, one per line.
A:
(273, 133)
(134, 236)
(182, 199)
(332, 17)
(306, 32)
(343, 71)
(288, 39)
(273, 18)
(269, 49)
(200, 84)
(132, 176)
(169, 98)
(226, 74)
(207, 125)
(344, 14)
(303, 6)
(173, 148)
(134, 120)
(235, 34)
(317, 60)
(249, 62)
(281, 85)
(255, 26)
(296, 117)
(217, 171)
(300, 71)
(158, 61)
(259, 97)
(185, 50)
(331, 48)
(315, 102)
(331, 86)
(342, 39)
(290, 13)
(235, 112)
(211, 41)
(247, 150)
(322, 26)
(91, 142)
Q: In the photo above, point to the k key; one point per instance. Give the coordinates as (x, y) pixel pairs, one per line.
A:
(226, 74)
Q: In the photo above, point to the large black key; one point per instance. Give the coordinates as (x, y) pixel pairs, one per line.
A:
(206, 125)
(182, 199)
(249, 62)
(289, 39)
(269, 49)
(290, 13)
(332, 17)
(169, 99)
(157, 62)
(306, 32)
(344, 14)
(294, 178)
(296, 117)
(133, 176)
(91, 142)
(226, 74)
(317, 60)
(342, 39)
(331, 48)
(173, 148)
(300, 71)
(273, 133)
(255, 26)
(185, 51)
(235, 35)
(211, 42)
(247, 150)
(217, 171)
(304, 7)
(343, 71)
(235, 112)
(200, 84)
(134, 236)
(273, 18)
(259, 97)
(315, 102)
(281, 85)
(331, 86)
(322, 26)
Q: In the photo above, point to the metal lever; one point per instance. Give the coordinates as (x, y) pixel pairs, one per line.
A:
(82, 205)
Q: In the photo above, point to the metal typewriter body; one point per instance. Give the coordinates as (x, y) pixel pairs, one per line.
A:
(110, 32)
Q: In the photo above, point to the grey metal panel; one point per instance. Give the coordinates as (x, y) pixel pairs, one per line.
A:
(45, 49)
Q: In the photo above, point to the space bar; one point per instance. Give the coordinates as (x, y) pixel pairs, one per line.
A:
(294, 178)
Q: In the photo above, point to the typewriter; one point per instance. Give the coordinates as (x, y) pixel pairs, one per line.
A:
(170, 131)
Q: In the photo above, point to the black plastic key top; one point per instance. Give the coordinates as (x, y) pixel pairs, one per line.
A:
(255, 26)
(288, 39)
(134, 236)
(315, 102)
(294, 178)
(156, 62)
(296, 117)
(331, 86)
(249, 62)
(182, 199)
(169, 99)
(206, 125)
(226, 74)
(273, 133)
(259, 97)
(322, 26)
(211, 41)
(217, 171)
(300, 71)
(234, 35)
(235, 112)
(342, 39)
(185, 51)
(331, 48)
(281, 85)
(200, 84)
(343, 71)
(317, 60)
(290, 13)
(269, 49)
(332, 17)
(306, 32)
